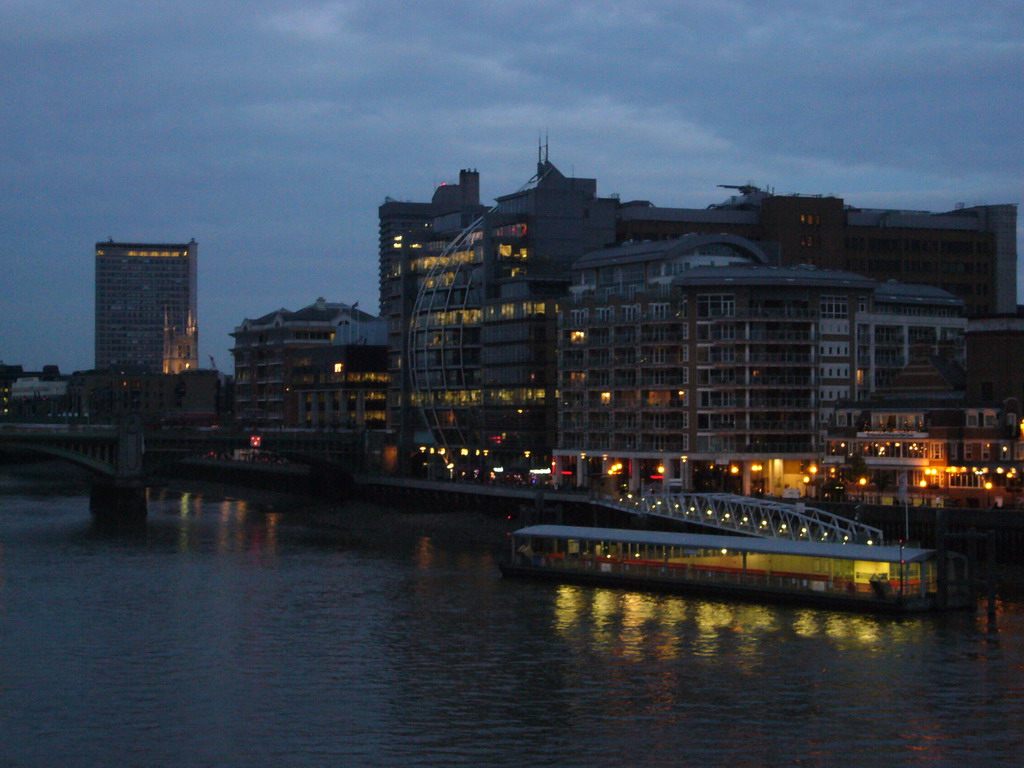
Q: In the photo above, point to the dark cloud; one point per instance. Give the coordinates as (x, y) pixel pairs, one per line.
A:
(271, 131)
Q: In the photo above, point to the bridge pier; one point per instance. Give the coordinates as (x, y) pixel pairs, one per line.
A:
(118, 502)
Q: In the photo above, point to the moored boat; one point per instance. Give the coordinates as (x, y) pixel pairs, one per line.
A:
(851, 576)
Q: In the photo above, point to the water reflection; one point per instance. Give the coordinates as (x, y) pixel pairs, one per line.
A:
(733, 668)
(230, 634)
(188, 517)
(637, 625)
(424, 556)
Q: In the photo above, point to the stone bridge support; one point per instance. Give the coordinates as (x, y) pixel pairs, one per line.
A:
(122, 498)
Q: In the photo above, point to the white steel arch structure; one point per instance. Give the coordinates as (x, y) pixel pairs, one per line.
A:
(448, 304)
(443, 296)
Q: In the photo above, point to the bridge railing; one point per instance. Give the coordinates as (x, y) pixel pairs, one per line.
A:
(749, 516)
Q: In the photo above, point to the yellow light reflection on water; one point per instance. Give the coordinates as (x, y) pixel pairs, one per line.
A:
(232, 531)
(604, 610)
(861, 630)
(807, 624)
(270, 542)
(639, 625)
(224, 526)
(424, 556)
(569, 606)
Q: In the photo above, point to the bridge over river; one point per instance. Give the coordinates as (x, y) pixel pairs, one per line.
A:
(121, 458)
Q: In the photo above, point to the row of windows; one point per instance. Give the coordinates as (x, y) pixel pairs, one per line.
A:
(511, 230)
(836, 371)
(835, 350)
(515, 310)
(608, 441)
(150, 254)
(831, 307)
(952, 247)
(452, 260)
(627, 313)
(716, 305)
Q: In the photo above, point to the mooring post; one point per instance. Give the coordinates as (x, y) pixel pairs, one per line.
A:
(990, 568)
(972, 557)
(942, 574)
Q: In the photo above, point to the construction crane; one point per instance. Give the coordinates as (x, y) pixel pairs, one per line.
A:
(745, 189)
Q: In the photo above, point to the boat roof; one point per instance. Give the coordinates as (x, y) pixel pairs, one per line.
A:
(881, 554)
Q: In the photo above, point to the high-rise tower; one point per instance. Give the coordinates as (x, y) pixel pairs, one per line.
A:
(146, 307)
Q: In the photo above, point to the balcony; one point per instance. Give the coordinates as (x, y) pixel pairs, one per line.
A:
(779, 446)
(780, 357)
(772, 403)
(803, 382)
(775, 313)
(779, 337)
(761, 425)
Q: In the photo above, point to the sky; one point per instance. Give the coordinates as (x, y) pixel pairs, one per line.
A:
(270, 131)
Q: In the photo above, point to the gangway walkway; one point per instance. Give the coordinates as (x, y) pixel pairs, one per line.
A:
(749, 516)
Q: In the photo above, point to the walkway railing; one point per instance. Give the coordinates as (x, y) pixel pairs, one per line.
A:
(749, 516)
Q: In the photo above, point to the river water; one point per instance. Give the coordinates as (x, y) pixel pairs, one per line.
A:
(223, 633)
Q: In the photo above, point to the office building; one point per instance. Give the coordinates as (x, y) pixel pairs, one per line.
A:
(189, 398)
(471, 299)
(411, 236)
(927, 451)
(146, 319)
(970, 251)
(339, 387)
(32, 394)
(995, 360)
(276, 361)
(699, 361)
(471, 295)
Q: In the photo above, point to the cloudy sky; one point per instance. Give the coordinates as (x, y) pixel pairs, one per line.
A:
(271, 130)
